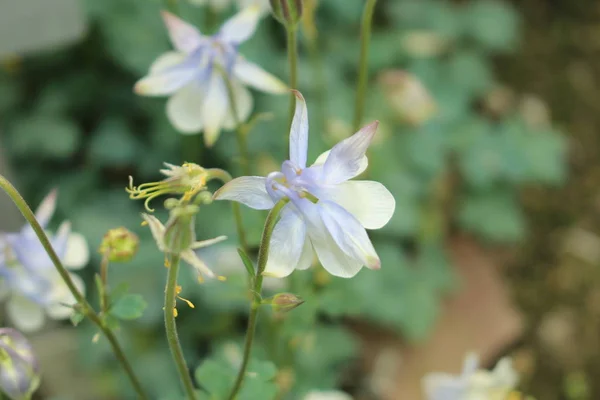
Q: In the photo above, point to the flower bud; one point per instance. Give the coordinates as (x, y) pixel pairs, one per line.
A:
(284, 302)
(180, 230)
(19, 371)
(119, 244)
(288, 12)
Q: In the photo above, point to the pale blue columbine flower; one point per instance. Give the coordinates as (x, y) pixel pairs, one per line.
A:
(223, 5)
(327, 211)
(30, 280)
(473, 383)
(194, 75)
(19, 369)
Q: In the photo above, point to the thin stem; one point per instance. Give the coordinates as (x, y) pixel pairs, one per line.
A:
(104, 279)
(171, 327)
(240, 132)
(320, 82)
(292, 49)
(87, 309)
(365, 37)
(263, 254)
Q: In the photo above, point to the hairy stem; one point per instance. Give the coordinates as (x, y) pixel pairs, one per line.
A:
(263, 254)
(171, 327)
(363, 69)
(86, 308)
(292, 49)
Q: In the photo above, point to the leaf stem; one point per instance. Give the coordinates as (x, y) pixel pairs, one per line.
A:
(363, 69)
(292, 49)
(263, 254)
(87, 309)
(171, 327)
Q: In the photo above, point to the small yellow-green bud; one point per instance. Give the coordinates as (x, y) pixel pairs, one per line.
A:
(288, 12)
(284, 302)
(119, 245)
(180, 231)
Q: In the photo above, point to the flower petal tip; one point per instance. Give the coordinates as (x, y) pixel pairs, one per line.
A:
(374, 263)
(297, 94)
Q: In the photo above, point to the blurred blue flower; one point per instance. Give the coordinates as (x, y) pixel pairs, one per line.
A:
(195, 73)
(327, 212)
(19, 370)
(30, 281)
(472, 383)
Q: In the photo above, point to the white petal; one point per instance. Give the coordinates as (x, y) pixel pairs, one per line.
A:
(442, 386)
(166, 81)
(185, 37)
(368, 201)
(248, 190)
(25, 315)
(299, 132)
(253, 75)
(58, 308)
(307, 256)
(327, 395)
(78, 252)
(215, 108)
(209, 242)
(363, 163)
(241, 26)
(287, 243)
(166, 61)
(243, 103)
(184, 109)
(45, 210)
(345, 160)
(348, 234)
(157, 229)
(190, 257)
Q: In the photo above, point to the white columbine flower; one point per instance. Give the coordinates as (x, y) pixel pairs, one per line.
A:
(194, 75)
(473, 383)
(223, 5)
(327, 211)
(327, 395)
(34, 287)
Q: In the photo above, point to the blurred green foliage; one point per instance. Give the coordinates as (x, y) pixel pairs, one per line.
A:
(72, 121)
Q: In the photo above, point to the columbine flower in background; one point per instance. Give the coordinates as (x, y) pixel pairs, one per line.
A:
(19, 371)
(327, 395)
(223, 5)
(195, 76)
(327, 211)
(30, 280)
(472, 383)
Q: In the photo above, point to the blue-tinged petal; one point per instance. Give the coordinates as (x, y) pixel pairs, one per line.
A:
(345, 161)
(287, 244)
(184, 108)
(442, 386)
(320, 161)
(163, 81)
(348, 234)
(299, 132)
(256, 77)
(185, 37)
(243, 104)
(215, 108)
(241, 26)
(307, 256)
(368, 201)
(248, 190)
(25, 315)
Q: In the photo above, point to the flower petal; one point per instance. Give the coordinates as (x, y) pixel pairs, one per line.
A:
(307, 256)
(215, 108)
(58, 308)
(363, 163)
(368, 201)
(253, 75)
(46, 209)
(287, 244)
(346, 158)
(25, 315)
(165, 81)
(241, 26)
(184, 36)
(166, 61)
(248, 190)
(184, 109)
(208, 242)
(243, 104)
(77, 253)
(299, 132)
(442, 386)
(190, 257)
(348, 234)
(157, 229)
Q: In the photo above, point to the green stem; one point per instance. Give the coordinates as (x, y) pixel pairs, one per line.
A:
(240, 132)
(365, 37)
(320, 83)
(171, 327)
(87, 309)
(292, 49)
(263, 254)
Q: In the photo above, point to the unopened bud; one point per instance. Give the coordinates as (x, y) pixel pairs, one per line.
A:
(119, 245)
(180, 230)
(19, 371)
(288, 12)
(284, 302)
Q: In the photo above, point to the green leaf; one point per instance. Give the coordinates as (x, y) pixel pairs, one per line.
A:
(130, 306)
(247, 262)
(113, 144)
(117, 293)
(494, 24)
(44, 136)
(76, 317)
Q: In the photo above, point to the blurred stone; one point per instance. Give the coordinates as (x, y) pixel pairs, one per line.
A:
(558, 335)
(32, 25)
(499, 100)
(535, 112)
(424, 43)
(583, 244)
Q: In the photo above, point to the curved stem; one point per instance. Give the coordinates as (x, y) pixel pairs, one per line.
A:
(87, 309)
(240, 131)
(263, 254)
(365, 37)
(292, 49)
(171, 327)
